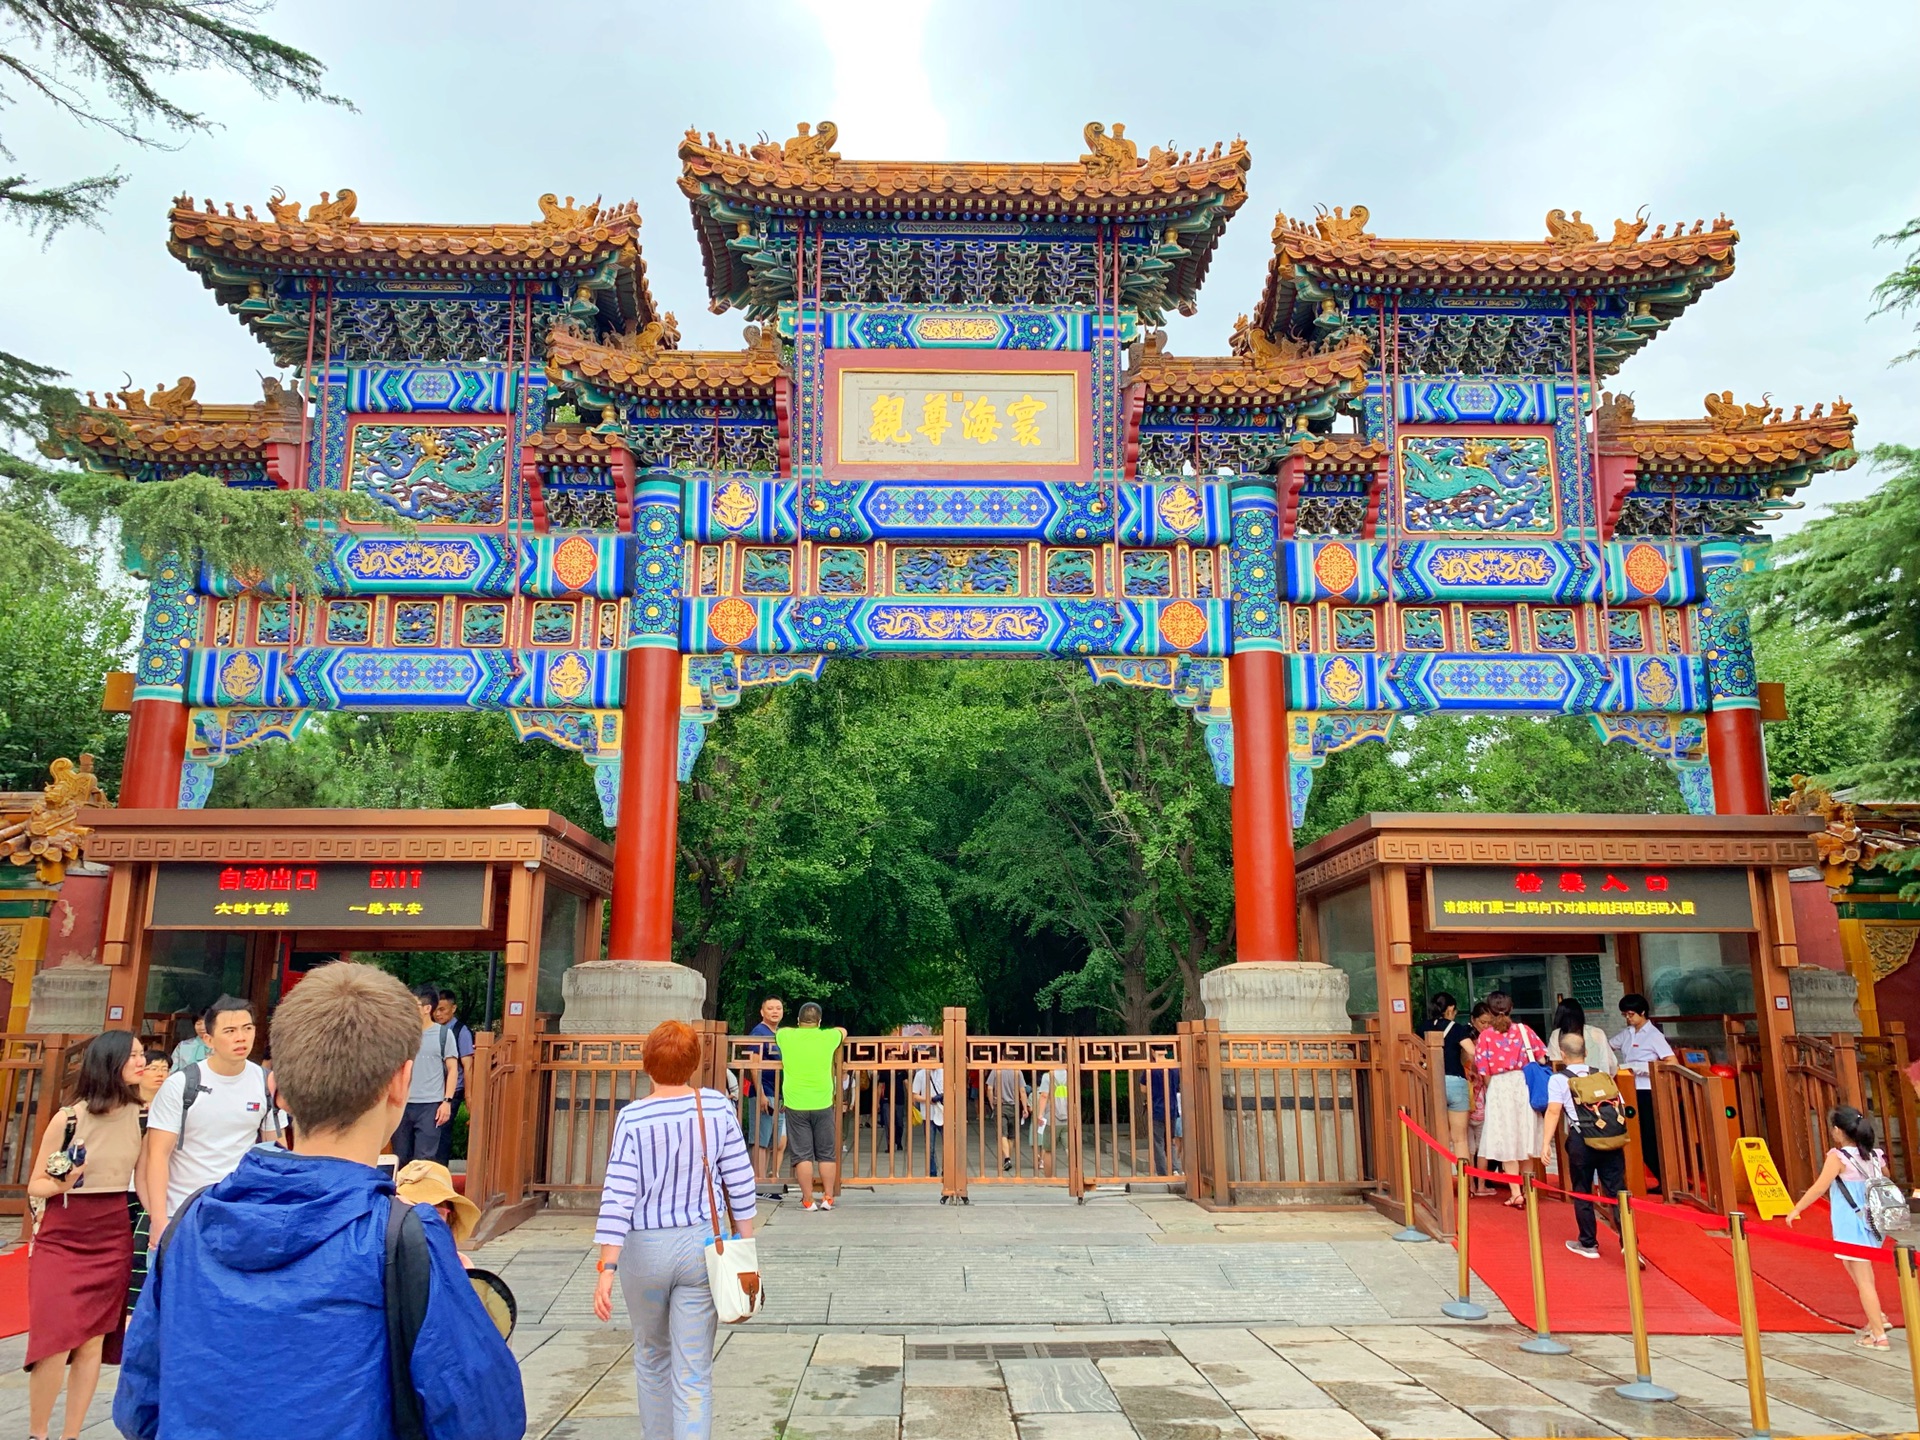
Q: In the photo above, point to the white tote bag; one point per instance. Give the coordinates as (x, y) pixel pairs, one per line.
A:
(733, 1262)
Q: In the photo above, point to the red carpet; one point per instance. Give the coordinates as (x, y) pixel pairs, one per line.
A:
(13, 1292)
(1687, 1285)
(1584, 1297)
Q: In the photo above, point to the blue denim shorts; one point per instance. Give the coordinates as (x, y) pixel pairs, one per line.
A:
(1459, 1094)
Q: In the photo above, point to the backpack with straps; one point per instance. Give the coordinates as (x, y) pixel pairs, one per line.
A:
(407, 1280)
(1884, 1209)
(1599, 1114)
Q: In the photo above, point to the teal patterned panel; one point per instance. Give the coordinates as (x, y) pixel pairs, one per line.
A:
(1556, 684)
(901, 625)
(1196, 511)
(426, 679)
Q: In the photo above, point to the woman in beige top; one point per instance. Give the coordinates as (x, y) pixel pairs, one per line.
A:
(82, 1256)
(1570, 1018)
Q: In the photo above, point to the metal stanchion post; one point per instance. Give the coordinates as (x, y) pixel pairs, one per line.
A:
(1910, 1314)
(1642, 1387)
(1462, 1308)
(1412, 1234)
(1542, 1342)
(1749, 1328)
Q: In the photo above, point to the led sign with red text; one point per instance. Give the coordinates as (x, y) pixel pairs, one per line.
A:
(283, 896)
(1587, 897)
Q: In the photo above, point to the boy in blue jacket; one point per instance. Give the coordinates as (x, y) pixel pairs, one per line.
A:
(266, 1312)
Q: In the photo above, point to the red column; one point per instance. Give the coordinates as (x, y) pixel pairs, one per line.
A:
(1265, 906)
(645, 843)
(1739, 762)
(156, 747)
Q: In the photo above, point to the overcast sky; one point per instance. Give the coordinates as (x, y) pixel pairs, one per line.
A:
(1800, 121)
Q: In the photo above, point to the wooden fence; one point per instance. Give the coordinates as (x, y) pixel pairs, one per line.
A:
(37, 1075)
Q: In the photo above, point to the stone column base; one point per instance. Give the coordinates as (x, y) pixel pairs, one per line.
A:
(628, 997)
(1825, 1002)
(69, 1000)
(1287, 997)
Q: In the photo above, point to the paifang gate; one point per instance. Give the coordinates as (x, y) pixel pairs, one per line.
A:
(956, 429)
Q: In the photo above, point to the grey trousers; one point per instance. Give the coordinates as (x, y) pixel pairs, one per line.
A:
(663, 1275)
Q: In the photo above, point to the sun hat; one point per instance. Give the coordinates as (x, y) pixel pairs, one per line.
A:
(423, 1182)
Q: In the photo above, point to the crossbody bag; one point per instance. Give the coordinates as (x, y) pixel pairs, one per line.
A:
(733, 1261)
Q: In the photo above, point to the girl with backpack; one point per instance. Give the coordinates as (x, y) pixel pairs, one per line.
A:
(1501, 1054)
(1853, 1166)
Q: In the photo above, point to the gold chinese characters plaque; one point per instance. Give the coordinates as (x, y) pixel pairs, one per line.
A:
(964, 419)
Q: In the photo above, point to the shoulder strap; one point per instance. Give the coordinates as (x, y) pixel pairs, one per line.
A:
(706, 1164)
(73, 1123)
(189, 1092)
(408, 1280)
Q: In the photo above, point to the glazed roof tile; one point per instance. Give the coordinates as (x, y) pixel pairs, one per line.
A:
(1266, 376)
(1113, 182)
(171, 426)
(1337, 251)
(568, 241)
(1337, 455)
(804, 175)
(1731, 437)
(650, 364)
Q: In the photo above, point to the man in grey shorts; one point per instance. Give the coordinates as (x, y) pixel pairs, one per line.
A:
(807, 1087)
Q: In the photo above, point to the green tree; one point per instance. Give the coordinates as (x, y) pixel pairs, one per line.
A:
(1900, 291)
(1835, 723)
(1850, 581)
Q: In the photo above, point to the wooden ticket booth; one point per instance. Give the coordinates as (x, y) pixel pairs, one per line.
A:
(1693, 911)
(248, 901)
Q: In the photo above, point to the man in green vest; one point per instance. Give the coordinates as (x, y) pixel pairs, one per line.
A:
(813, 1131)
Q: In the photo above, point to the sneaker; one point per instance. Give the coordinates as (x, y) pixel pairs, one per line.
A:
(826, 1204)
(1585, 1252)
(809, 1205)
(1007, 1164)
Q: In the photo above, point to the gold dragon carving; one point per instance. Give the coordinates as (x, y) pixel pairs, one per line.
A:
(48, 838)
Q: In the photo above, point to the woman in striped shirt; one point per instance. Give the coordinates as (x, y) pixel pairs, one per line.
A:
(655, 1221)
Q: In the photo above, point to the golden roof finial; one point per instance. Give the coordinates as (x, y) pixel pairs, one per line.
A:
(1563, 229)
(1110, 153)
(1338, 225)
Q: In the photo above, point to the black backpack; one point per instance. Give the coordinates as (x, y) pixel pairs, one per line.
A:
(408, 1280)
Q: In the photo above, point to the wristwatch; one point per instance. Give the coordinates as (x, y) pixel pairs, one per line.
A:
(606, 1267)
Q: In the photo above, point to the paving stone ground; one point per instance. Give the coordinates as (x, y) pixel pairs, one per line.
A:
(1026, 1317)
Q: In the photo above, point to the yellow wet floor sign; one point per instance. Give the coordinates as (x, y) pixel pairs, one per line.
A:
(1770, 1195)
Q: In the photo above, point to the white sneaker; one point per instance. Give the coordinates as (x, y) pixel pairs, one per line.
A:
(1585, 1252)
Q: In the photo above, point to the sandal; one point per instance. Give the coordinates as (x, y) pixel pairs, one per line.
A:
(1872, 1342)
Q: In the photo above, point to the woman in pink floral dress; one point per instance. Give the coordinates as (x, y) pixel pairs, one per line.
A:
(1512, 1131)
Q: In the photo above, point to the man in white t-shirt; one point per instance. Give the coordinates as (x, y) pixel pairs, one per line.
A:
(192, 1143)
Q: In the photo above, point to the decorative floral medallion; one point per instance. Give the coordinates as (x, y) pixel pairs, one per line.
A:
(1646, 568)
(731, 621)
(574, 561)
(1335, 568)
(1183, 624)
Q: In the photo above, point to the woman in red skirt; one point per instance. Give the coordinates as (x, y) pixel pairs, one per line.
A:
(82, 1256)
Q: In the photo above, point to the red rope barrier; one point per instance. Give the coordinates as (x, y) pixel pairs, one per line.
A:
(1828, 1247)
